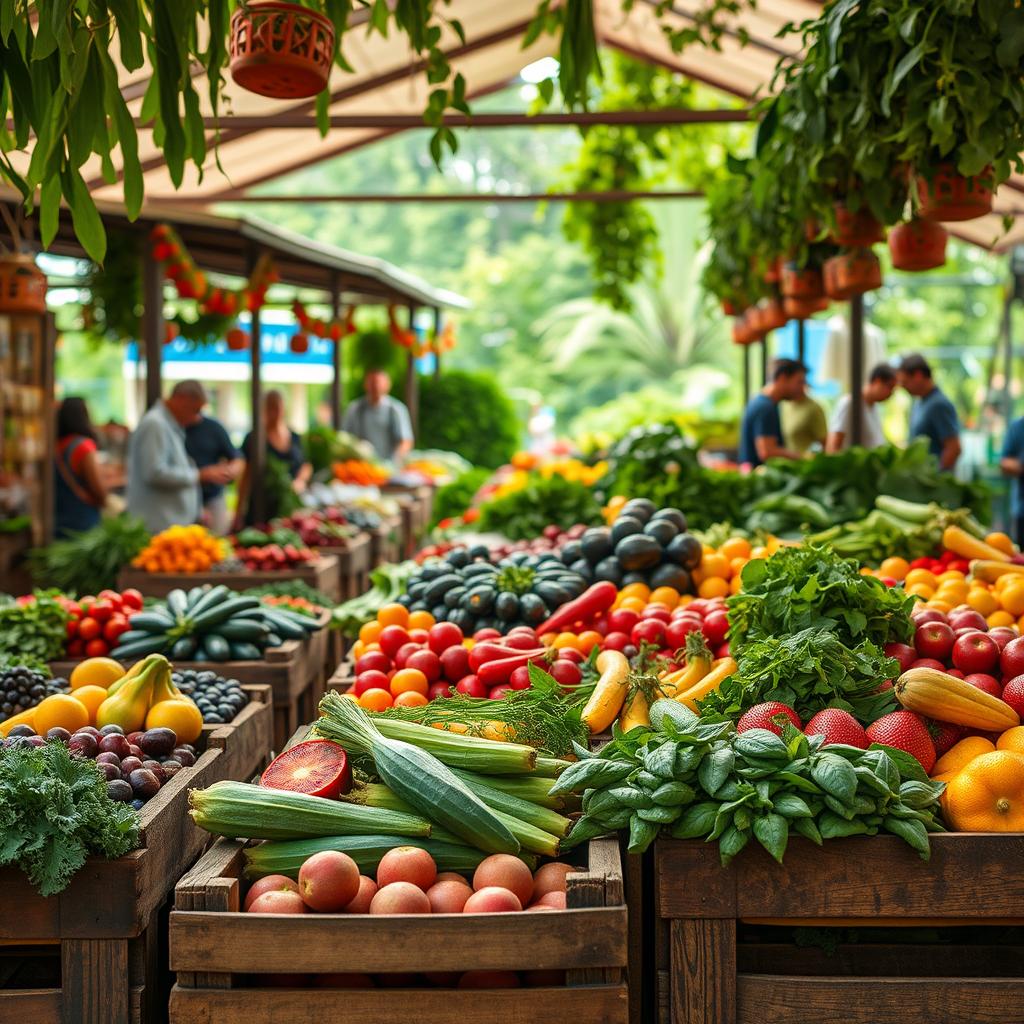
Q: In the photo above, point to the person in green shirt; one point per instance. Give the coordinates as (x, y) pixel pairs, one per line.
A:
(804, 424)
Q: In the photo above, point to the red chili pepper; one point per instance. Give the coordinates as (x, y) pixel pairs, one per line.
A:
(484, 653)
(589, 605)
(493, 673)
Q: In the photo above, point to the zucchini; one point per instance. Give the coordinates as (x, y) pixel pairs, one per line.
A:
(153, 644)
(193, 595)
(154, 620)
(243, 651)
(234, 809)
(177, 602)
(209, 598)
(506, 606)
(305, 622)
(272, 640)
(184, 649)
(434, 594)
(132, 635)
(481, 569)
(283, 627)
(480, 599)
(243, 630)
(217, 648)
(454, 597)
(207, 619)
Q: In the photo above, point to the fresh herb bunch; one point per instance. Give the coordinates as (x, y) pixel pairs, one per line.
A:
(55, 812)
(808, 671)
(290, 588)
(32, 632)
(544, 501)
(696, 778)
(812, 587)
(89, 561)
(389, 583)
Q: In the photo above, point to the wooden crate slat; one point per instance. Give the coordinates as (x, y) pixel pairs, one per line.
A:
(879, 1000)
(600, 1004)
(593, 937)
(36, 1005)
(704, 971)
(94, 975)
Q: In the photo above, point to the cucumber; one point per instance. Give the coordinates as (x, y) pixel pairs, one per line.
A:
(454, 597)
(153, 644)
(272, 640)
(480, 569)
(177, 602)
(434, 594)
(243, 630)
(132, 635)
(283, 627)
(184, 649)
(479, 600)
(304, 622)
(157, 620)
(245, 652)
(207, 620)
(217, 648)
(209, 599)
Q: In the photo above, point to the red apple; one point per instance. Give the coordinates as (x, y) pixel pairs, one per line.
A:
(929, 663)
(1011, 661)
(926, 615)
(983, 681)
(955, 672)
(1013, 694)
(903, 653)
(934, 640)
(1003, 635)
(968, 617)
(975, 652)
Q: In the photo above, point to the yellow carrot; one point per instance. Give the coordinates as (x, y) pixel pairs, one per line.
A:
(609, 692)
(989, 572)
(720, 671)
(962, 543)
(635, 712)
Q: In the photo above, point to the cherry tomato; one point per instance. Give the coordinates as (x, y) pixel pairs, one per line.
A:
(615, 642)
(520, 678)
(471, 687)
(571, 654)
(439, 691)
(75, 648)
(132, 599)
(566, 673)
(74, 609)
(648, 631)
(97, 649)
(71, 628)
(89, 629)
(656, 611)
(498, 692)
(622, 620)
(112, 596)
(102, 610)
(115, 626)
(419, 636)
(716, 625)
(486, 634)
(677, 631)
(370, 679)
(402, 654)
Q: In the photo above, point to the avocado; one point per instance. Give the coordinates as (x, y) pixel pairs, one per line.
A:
(625, 526)
(673, 515)
(685, 550)
(639, 508)
(596, 544)
(609, 569)
(638, 552)
(671, 575)
(662, 530)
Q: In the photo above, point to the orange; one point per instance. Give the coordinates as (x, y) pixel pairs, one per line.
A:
(988, 794)
(715, 565)
(96, 672)
(377, 699)
(1000, 618)
(1011, 597)
(180, 714)
(962, 754)
(668, 596)
(63, 711)
(735, 585)
(759, 553)
(91, 697)
(547, 639)
(922, 576)
(640, 590)
(370, 631)
(1000, 542)
(897, 568)
(410, 699)
(921, 590)
(1012, 739)
(421, 620)
(406, 679)
(736, 547)
(954, 592)
(714, 587)
(685, 599)
(736, 565)
(951, 576)
(393, 615)
(634, 604)
(588, 640)
(564, 640)
(939, 605)
(358, 650)
(983, 601)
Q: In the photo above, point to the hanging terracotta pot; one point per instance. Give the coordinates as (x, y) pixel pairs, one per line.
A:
(299, 343)
(773, 315)
(854, 230)
(729, 308)
(740, 331)
(852, 273)
(22, 285)
(951, 196)
(280, 50)
(918, 245)
(802, 282)
(801, 309)
(237, 339)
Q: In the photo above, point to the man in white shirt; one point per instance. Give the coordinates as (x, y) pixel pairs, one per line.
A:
(380, 419)
(879, 388)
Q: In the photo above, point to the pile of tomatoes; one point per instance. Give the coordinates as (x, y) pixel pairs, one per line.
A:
(96, 622)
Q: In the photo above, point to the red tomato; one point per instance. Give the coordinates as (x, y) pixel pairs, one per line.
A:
(427, 662)
(723, 651)
(571, 654)
(498, 692)
(455, 663)
(404, 653)
(112, 596)
(89, 629)
(716, 625)
(392, 639)
(484, 634)
(373, 660)
(132, 599)
(471, 687)
(648, 631)
(443, 635)
(677, 630)
(71, 628)
(522, 641)
(114, 628)
(520, 678)
(566, 672)
(96, 649)
(439, 691)
(102, 610)
(700, 606)
(615, 642)
(622, 620)
(369, 680)
(656, 611)
(75, 648)
(601, 626)
(73, 608)
(419, 636)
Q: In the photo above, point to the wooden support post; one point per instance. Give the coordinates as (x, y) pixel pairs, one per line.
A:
(152, 321)
(801, 340)
(856, 369)
(438, 324)
(412, 398)
(337, 381)
(258, 454)
(764, 362)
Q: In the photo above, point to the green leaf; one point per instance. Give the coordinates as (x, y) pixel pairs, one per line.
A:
(789, 805)
(641, 834)
(126, 14)
(125, 127)
(835, 775)
(731, 843)
(696, 822)
(85, 218)
(715, 769)
(761, 743)
(911, 832)
(906, 764)
(772, 832)
(808, 829)
(832, 826)
(49, 207)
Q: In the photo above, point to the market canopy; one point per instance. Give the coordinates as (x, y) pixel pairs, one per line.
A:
(386, 84)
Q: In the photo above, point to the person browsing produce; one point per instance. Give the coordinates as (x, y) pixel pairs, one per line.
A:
(1012, 464)
(933, 415)
(163, 481)
(208, 444)
(879, 388)
(380, 419)
(79, 492)
(804, 426)
(761, 430)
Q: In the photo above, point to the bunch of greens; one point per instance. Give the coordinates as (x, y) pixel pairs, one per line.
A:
(32, 632)
(89, 561)
(389, 583)
(696, 778)
(523, 514)
(290, 588)
(810, 587)
(252, 537)
(807, 671)
(324, 446)
(451, 500)
(55, 812)
(281, 498)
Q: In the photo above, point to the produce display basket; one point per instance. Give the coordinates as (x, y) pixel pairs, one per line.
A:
(727, 945)
(220, 954)
(92, 954)
(323, 574)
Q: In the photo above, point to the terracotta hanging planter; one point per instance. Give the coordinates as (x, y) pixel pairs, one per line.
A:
(852, 273)
(237, 339)
(299, 343)
(951, 196)
(854, 230)
(773, 315)
(802, 282)
(281, 50)
(801, 309)
(729, 308)
(918, 245)
(22, 285)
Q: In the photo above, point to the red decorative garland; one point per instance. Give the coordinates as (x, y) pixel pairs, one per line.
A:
(333, 331)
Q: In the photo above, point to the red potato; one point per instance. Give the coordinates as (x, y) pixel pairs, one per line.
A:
(271, 883)
(503, 871)
(452, 876)
(278, 901)
(550, 878)
(492, 900)
(448, 897)
(360, 904)
(407, 864)
(328, 881)
(400, 898)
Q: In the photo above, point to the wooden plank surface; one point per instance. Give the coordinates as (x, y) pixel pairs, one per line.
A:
(250, 943)
(970, 875)
(599, 1004)
(94, 975)
(798, 1000)
(31, 1005)
(703, 972)
(600, 885)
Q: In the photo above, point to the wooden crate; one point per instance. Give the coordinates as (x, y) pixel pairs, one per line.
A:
(725, 939)
(353, 566)
(216, 951)
(248, 739)
(323, 573)
(99, 940)
(343, 678)
(385, 542)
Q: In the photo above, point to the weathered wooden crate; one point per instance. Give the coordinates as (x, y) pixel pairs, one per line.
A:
(343, 678)
(353, 566)
(220, 955)
(323, 573)
(726, 939)
(385, 542)
(95, 949)
(248, 739)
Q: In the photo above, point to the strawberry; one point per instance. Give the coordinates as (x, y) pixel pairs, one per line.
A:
(944, 735)
(764, 716)
(838, 726)
(1013, 694)
(905, 731)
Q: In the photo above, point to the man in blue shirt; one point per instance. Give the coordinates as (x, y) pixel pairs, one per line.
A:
(933, 415)
(1012, 464)
(761, 431)
(208, 444)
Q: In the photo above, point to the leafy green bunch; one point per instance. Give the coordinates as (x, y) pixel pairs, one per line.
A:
(697, 778)
(55, 812)
(32, 632)
(454, 498)
(544, 501)
(89, 561)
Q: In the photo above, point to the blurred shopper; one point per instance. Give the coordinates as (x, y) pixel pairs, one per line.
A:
(761, 430)
(163, 482)
(1012, 464)
(879, 388)
(804, 424)
(283, 445)
(380, 419)
(79, 491)
(208, 444)
(933, 415)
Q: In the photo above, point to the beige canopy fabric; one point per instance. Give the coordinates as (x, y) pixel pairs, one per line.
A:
(386, 80)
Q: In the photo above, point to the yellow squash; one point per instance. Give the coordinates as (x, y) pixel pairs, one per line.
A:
(944, 697)
(609, 693)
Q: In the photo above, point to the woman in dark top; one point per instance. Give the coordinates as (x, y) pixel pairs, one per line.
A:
(79, 493)
(284, 445)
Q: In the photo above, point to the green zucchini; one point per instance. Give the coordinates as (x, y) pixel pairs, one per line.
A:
(184, 649)
(272, 640)
(222, 612)
(434, 594)
(209, 599)
(154, 620)
(132, 635)
(243, 651)
(243, 630)
(153, 644)
(217, 648)
(283, 627)
(306, 622)
(193, 595)
(177, 602)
